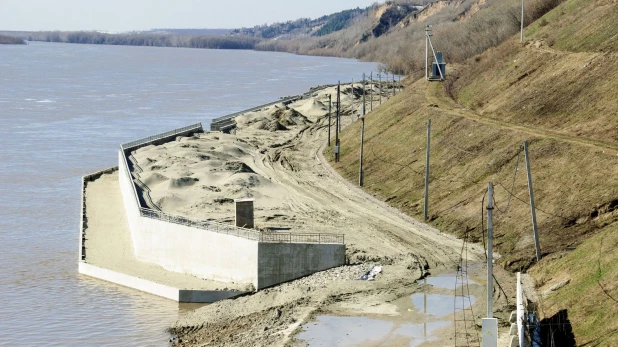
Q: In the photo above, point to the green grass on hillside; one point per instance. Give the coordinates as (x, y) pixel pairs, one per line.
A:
(557, 91)
(591, 297)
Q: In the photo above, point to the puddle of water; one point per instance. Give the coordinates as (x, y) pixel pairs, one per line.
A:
(440, 305)
(446, 282)
(355, 331)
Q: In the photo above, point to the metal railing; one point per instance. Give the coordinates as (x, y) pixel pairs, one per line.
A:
(250, 234)
(149, 139)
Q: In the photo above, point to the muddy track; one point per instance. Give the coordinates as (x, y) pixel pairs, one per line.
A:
(436, 95)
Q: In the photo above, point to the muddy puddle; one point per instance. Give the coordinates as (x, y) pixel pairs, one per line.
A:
(423, 319)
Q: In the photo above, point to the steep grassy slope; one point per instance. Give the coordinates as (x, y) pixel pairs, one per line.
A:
(554, 91)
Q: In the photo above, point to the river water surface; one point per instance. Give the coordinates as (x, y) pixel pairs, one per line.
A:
(64, 111)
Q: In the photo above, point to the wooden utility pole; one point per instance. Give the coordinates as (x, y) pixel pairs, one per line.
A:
(361, 173)
(532, 207)
(426, 204)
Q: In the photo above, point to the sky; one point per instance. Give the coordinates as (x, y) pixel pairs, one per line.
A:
(128, 15)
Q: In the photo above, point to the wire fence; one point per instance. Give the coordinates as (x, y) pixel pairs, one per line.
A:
(250, 234)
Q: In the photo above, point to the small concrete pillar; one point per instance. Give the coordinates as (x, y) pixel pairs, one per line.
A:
(244, 213)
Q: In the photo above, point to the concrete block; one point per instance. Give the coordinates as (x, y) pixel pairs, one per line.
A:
(513, 317)
(244, 213)
(490, 332)
(514, 342)
(282, 262)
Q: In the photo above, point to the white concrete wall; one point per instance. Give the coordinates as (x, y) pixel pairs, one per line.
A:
(183, 249)
(221, 257)
(282, 262)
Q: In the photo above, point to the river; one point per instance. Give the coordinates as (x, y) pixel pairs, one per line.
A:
(64, 111)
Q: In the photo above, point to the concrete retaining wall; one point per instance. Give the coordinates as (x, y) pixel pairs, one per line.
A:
(282, 262)
(180, 248)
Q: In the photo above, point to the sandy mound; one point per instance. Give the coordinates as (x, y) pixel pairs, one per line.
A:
(311, 108)
(153, 178)
(182, 182)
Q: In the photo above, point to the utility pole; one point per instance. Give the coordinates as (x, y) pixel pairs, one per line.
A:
(490, 246)
(427, 33)
(489, 325)
(361, 174)
(394, 84)
(371, 92)
(426, 205)
(364, 103)
(330, 103)
(337, 129)
(522, 21)
(387, 89)
(380, 77)
(400, 80)
(532, 207)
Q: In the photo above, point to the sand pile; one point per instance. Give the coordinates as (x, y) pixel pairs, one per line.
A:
(200, 176)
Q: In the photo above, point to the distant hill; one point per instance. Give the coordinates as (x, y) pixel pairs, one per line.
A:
(392, 33)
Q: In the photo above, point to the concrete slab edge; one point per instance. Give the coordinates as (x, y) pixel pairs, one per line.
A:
(180, 295)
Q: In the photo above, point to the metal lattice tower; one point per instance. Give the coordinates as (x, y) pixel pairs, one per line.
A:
(466, 332)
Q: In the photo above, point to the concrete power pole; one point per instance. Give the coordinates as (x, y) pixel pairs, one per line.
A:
(522, 21)
(490, 247)
(361, 174)
(489, 325)
(426, 204)
(532, 207)
(371, 92)
(380, 77)
(364, 103)
(337, 121)
(330, 103)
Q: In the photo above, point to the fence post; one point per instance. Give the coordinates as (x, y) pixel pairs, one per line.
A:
(425, 206)
(532, 207)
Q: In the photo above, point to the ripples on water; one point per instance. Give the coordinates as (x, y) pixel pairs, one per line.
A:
(64, 111)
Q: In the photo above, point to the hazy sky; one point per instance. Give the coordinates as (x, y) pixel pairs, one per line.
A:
(125, 15)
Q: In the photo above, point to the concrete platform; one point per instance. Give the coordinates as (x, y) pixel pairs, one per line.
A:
(109, 253)
(180, 295)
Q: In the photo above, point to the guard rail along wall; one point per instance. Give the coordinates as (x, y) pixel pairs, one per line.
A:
(218, 251)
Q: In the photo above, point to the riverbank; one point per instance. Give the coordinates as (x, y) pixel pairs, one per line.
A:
(9, 40)
(289, 154)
